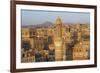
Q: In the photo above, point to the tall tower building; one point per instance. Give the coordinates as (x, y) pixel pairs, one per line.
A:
(58, 40)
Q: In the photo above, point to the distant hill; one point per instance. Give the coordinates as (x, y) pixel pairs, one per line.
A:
(46, 24)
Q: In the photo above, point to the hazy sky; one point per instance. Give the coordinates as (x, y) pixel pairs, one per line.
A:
(31, 17)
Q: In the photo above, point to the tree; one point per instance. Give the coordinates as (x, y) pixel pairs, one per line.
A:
(26, 45)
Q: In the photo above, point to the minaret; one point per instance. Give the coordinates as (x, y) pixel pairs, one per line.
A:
(58, 40)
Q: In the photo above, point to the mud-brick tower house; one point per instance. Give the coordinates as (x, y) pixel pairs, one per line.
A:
(58, 39)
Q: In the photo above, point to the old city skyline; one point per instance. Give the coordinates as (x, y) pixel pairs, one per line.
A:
(57, 43)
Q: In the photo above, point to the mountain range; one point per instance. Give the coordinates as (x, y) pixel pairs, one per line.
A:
(46, 24)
